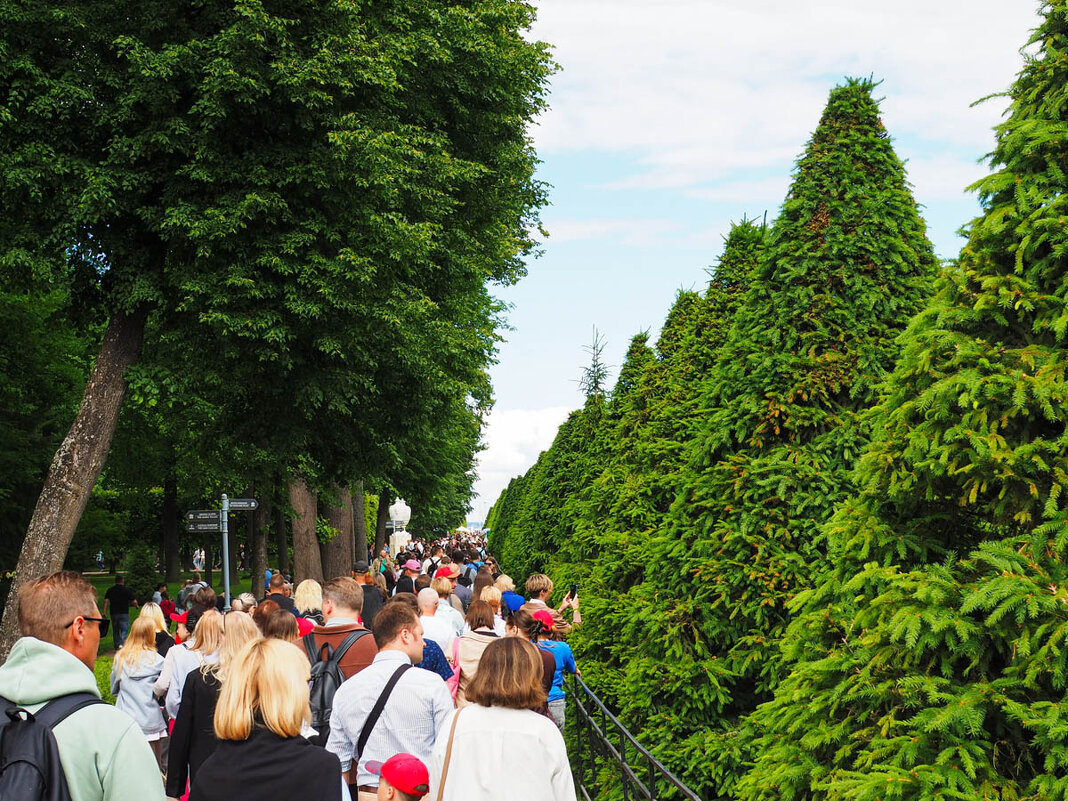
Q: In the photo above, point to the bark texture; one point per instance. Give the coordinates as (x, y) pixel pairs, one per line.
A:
(281, 535)
(337, 553)
(307, 563)
(76, 465)
(359, 524)
(258, 544)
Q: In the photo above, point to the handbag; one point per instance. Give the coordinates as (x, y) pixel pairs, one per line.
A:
(448, 755)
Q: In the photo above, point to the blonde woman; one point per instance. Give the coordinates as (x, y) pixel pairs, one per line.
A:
(492, 596)
(135, 670)
(193, 739)
(262, 708)
(203, 648)
(308, 599)
(163, 637)
(446, 609)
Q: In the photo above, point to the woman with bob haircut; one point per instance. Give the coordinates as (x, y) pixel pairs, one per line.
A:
(262, 707)
(499, 741)
(468, 649)
(308, 600)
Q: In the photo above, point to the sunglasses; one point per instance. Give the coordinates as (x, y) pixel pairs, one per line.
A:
(103, 622)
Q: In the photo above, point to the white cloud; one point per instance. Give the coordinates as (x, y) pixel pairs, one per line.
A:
(701, 89)
(514, 438)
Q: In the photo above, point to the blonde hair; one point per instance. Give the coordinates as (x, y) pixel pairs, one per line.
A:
(504, 583)
(492, 596)
(267, 679)
(48, 603)
(442, 586)
(538, 583)
(239, 629)
(152, 611)
(140, 642)
(208, 633)
(309, 596)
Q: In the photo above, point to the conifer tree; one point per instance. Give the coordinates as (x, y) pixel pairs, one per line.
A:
(847, 265)
(931, 663)
(627, 502)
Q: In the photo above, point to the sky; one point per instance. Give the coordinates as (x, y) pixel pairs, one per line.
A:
(669, 119)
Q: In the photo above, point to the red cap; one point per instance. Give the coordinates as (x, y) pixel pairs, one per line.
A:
(545, 617)
(179, 618)
(448, 572)
(304, 626)
(405, 772)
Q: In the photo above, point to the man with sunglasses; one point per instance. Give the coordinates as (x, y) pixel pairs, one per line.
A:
(105, 756)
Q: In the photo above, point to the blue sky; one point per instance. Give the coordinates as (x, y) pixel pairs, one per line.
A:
(670, 119)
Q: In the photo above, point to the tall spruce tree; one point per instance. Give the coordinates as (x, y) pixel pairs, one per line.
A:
(847, 265)
(931, 664)
(627, 502)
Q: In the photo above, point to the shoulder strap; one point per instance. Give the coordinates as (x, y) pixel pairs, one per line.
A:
(448, 755)
(347, 643)
(309, 647)
(376, 712)
(59, 709)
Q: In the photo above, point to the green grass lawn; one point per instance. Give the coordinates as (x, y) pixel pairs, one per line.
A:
(104, 580)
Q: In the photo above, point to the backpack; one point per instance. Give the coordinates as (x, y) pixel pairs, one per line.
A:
(326, 677)
(30, 769)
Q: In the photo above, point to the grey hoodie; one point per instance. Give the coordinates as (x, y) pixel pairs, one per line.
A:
(104, 754)
(132, 688)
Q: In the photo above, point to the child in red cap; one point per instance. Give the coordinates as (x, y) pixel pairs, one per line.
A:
(404, 778)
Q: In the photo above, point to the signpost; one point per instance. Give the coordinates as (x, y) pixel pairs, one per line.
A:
(209, 520)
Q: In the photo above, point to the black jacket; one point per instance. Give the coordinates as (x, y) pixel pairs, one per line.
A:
(283, 601)
(268, 766)
(372, 602)
(193, 739)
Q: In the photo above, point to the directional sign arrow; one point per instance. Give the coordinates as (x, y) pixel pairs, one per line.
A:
(243, 503)
(209, 526)
(203, 514)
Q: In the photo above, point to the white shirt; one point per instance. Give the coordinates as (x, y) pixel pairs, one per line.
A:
(410, 721)
(439, 630)
(498, 753)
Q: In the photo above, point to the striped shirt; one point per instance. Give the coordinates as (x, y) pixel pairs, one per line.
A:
(416, 710)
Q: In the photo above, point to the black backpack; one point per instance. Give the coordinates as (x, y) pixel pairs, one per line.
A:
(30, 769)
(326, 677)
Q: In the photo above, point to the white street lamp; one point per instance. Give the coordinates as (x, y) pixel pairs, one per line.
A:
(400, 513)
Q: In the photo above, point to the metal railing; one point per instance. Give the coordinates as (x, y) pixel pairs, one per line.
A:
(604, 748)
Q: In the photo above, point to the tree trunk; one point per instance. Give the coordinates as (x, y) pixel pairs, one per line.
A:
(76, 465)
(380, 523)
(337, 553)
(307, 563)
(359, 524)
(171, 522)
(281, 536)
(258, 544)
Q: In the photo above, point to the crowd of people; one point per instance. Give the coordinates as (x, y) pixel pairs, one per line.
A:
(423, 673)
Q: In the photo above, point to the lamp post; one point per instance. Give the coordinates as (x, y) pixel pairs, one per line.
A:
(399, 513)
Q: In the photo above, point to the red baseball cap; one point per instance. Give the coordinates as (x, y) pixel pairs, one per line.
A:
(405, 772)
(448, 572)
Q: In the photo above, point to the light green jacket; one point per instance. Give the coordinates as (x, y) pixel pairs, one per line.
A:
(104, 754)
